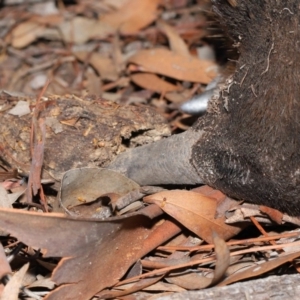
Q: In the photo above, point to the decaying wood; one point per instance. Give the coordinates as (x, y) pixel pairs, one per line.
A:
(247, 145)
(79, 132)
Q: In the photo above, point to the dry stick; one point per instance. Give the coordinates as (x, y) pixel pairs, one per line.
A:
(231, 243)
(37, 141)
(204, 260)
(112, 85)
(36, 68)
(261, 229)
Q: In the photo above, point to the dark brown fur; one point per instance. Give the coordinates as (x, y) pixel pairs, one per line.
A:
(251, 146)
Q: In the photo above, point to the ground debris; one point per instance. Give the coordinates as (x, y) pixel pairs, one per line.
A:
(79, 132)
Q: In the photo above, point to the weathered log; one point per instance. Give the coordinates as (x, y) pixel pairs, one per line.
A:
(247, 145)
(272, 287)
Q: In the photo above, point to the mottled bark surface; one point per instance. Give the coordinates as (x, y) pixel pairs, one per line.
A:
(79, 132)
(272, 287)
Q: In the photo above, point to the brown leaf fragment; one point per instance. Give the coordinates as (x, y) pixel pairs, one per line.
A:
(104, 65)
(190, 279)
(90, 248)
(259, 269)
(223, 258)
(160, 235)
(224, 203)
(165, 62)
(79, 30)
(242, 213)
(4, 265)
(138, 286)
(97, 209)
(25, 33)
(194, 211)
(195, 280)
(274, 214)
(177, 44)
(12, 289)
(88, 184)
(159, 262)
(132, 16)
(42, 282)
(153, 83)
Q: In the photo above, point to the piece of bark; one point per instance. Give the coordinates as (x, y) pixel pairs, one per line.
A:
(272, 287)
(79, 132)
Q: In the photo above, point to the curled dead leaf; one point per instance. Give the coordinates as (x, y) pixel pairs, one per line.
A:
(259, 269)
(104, 65)
(132, 16)
(195, 280)
(25, 33)
(165, 62)
(153, 83)
(194, 211)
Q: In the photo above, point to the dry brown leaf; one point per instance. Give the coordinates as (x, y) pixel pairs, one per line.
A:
(132, 16)
(25, 33)
(193, 280)
(90, 248)
(242, 213)
(239, 265)
(79, 30)
(159, 286)
(274, 214)
(51, 19)
(194, 211)
(42, 282)
(224, 203)
(259, 269)
(88, 184)
(12, 289)
(4, 265)
(152, 82)
(177, 44)
(139, 285)
(104, 65)
(165, 62)
(93, 82)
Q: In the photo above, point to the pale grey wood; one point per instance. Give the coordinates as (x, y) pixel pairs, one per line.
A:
(286, 287)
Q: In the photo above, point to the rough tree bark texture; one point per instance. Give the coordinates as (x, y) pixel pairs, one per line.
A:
(272, 287)
(79, 132)
(247, 145)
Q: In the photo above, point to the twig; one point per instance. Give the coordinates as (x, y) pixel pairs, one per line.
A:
(206, 260)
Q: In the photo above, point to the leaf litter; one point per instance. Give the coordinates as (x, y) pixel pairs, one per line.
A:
(116, 237)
